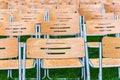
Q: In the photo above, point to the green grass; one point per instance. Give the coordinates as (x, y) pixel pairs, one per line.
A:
(108, 74)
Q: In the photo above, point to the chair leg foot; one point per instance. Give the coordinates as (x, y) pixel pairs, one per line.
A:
(48, 76)
(45, 74)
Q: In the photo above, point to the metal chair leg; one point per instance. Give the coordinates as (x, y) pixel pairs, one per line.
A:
(48, 76)
(37, 68)
(118, 72)
(45, 74)
(82, 72)
(9, 74)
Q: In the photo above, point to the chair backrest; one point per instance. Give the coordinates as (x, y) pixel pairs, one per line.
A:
(112, 7)
(55, 48)
(62, 22)
(8, 48)
(111, 47)
(17, 28)
(90, 8)
(99, 16)
(3, 5)
(102, 27)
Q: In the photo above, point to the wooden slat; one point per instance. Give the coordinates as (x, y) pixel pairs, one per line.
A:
(17, 28)
(90, 8)
(36, 18)
(99, 16)
(91, 1)
(62, 22)
(17, 4)
(55, 48)
(3, 5)
(93, 44)
(111, 47)
(8, 48)
(33, 11)
(102, 27)
(112, 7)
(42, 1)
(61, 63)
(13, 64)
(7, 11)
(71, 7)
(68, 2)
(112, 1)
(42, 5)
(106, 62)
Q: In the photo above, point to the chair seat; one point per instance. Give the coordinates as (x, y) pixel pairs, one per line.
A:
(93, 44)
(61, 63)
(13, 64)
(106, 62)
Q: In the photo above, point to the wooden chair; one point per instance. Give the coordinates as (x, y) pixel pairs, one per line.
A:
(91, 20)
(61, 24)
(67, 23)
(93, 12)
(100, 28)
(16, 29)
(110, 52)
(87, 10)
(56, 28)
(53, 52)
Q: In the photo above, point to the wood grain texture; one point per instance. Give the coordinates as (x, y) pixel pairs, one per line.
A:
(29, 17)
(111, 47)
(8, 48)
(101, 27)
(62, 22)
(99, 16)
(112, 7)
(93, 44)
(7, 11)
(55, 48)
(61, 63)
(17, 28)
(91, 1)
(13, 64)
(90, 8)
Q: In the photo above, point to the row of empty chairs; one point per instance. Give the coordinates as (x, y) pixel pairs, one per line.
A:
(100, 27)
